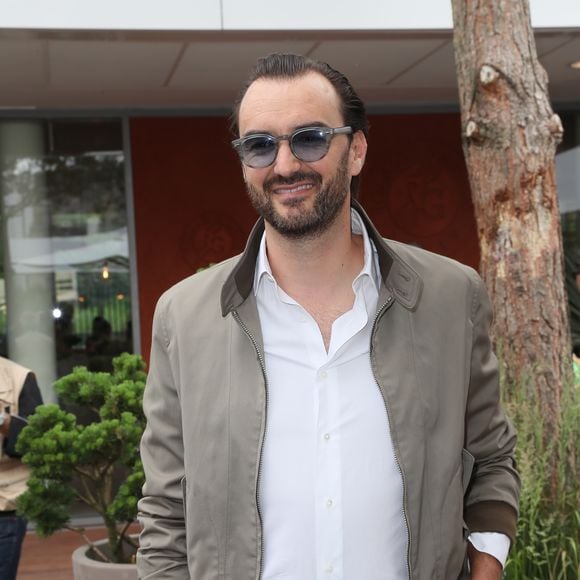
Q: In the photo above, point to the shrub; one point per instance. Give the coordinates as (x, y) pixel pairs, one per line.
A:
(71, 461)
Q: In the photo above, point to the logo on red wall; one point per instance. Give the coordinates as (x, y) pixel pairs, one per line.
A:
(211, 237)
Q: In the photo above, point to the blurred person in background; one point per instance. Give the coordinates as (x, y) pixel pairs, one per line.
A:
(19, 397)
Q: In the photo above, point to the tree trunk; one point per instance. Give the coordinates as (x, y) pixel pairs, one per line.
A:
(510, 134)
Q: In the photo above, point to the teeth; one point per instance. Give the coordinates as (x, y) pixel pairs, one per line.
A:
(295, 189)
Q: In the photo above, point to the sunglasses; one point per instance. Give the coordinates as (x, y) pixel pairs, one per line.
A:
(308, 144)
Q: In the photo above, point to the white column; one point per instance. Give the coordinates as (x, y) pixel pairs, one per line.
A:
(26, 221)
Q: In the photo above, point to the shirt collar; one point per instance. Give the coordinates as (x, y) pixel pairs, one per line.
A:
(398, 278)
(370, 266)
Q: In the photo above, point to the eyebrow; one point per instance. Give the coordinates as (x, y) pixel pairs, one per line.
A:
(296, 128)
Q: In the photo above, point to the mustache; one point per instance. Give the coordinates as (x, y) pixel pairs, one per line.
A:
(312, 176)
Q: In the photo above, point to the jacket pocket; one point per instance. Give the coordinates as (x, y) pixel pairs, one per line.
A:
(468, 462)
(184, 497)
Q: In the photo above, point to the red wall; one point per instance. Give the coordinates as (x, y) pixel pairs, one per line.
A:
(191, 207)
(415, 185)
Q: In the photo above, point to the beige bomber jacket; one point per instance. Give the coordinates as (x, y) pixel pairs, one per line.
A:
(206, 406)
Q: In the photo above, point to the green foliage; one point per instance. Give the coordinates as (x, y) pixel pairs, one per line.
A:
(124, 506)
(202, 268)
(49, 442)
(47, 503)
(78, 461)
(547, 545)
(84, 388)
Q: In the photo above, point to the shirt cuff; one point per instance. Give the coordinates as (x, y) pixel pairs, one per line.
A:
(492, 543)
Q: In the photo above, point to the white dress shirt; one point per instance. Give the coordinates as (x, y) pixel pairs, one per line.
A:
(331, 491)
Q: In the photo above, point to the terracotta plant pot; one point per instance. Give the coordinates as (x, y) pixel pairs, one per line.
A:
(85, 568)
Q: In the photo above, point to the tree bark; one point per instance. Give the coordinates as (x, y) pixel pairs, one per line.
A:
(510, 134)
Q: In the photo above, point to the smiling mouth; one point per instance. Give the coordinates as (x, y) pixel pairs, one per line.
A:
(292, 189)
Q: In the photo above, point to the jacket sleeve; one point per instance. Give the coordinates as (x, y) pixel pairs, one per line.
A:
(162, 551)
(491, 499)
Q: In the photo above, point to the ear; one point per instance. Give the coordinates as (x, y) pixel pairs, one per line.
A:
(358, 152)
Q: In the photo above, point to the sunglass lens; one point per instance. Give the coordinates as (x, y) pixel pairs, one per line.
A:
(310, 145)
(258, 151)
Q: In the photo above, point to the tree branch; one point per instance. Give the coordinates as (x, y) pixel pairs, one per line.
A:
(88, 541)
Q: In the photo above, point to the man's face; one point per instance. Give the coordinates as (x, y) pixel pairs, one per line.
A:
(297, 198)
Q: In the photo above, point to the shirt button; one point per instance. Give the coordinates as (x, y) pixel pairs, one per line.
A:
(328, 503)
(327, 436)
(323, 374)
(330, 568)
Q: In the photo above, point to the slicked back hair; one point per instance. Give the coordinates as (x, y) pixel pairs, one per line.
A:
(291, 66)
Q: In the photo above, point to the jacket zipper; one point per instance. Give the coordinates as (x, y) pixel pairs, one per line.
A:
(387, 304)
(263, 434)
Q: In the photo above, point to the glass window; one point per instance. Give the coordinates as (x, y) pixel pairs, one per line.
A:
(65, 295)
(568, 180)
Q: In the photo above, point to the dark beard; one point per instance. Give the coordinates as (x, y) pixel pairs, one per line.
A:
(306, 224)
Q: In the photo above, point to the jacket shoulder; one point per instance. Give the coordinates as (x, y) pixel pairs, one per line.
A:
(12, 368)
(199, 286)
(194, 303)
(431, 266)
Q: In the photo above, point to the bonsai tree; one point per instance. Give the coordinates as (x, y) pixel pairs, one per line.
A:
(71, 461)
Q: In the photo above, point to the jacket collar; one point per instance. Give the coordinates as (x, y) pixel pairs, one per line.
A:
(398, 277)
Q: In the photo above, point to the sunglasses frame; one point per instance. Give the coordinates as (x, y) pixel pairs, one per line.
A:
(328, 132)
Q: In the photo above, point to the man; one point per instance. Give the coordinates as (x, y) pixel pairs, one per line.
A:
(325, 405)
(19, 396)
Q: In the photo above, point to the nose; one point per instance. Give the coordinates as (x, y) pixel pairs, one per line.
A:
(285, 164)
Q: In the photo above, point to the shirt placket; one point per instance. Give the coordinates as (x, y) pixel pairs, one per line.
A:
(329, 512)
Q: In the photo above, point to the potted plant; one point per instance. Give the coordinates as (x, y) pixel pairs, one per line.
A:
(73, 461)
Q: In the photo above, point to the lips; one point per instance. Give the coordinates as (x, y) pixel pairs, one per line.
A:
(291, 189)
(298, 182)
